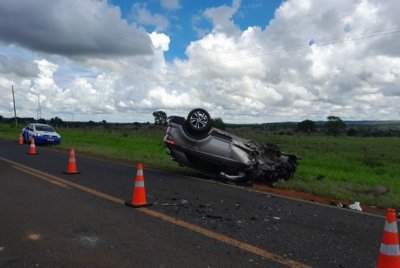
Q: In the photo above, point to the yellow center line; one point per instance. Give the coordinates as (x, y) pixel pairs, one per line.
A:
(222, 238)
(42, 177)
(46, 176)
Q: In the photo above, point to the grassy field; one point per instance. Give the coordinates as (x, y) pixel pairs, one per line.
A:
(344, 168)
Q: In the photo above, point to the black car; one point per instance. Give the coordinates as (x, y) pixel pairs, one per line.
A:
(194, 143)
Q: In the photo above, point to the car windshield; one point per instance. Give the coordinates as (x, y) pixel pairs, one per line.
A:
(45, 128)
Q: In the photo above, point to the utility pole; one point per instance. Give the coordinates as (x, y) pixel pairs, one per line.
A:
(15, 111)
(39, 109)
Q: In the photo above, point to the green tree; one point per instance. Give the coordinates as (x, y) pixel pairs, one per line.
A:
(352, 132)
(218, 123)
(91, 123)
(306, 126)
(335, 126)
(160, 118)
(56, 121)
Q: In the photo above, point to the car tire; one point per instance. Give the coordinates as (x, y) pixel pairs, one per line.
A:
(199, 121)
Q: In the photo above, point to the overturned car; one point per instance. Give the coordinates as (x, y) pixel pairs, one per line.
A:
(194, 143)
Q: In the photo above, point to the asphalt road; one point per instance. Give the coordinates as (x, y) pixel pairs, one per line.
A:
(51, 219)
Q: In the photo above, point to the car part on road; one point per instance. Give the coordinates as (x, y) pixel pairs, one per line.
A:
(192, 142)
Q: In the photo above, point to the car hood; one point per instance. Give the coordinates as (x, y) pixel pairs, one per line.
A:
(48, 133)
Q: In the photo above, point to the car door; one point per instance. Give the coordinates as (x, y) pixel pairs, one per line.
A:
(30, 132)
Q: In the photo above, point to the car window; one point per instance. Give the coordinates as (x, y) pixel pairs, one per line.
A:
(45, 128)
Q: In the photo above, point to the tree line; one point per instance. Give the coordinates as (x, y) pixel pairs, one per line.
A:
(333, 126)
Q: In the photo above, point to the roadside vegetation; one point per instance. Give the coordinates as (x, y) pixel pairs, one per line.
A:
(340, 167)
(343, 168)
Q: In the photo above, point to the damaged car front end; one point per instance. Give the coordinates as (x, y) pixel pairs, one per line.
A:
(192, 142)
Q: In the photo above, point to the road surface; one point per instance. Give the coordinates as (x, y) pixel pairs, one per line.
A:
(51, 219)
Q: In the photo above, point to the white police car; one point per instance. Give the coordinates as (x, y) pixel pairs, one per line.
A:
(43, 134)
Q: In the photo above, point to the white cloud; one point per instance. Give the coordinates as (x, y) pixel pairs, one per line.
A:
(222, 18)
(17, 65)
(70, 28)
(160, 41)
(332, 73)
(170, 100)
(170, 4)
(143, 16)
(314, 59)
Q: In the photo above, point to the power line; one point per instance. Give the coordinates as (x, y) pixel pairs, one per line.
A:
(326, 43)
(151, 75)
(39, 109)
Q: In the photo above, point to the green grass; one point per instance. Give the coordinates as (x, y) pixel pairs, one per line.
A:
(144, 144)
(343, 168)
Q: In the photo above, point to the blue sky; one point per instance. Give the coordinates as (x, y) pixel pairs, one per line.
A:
(184, 19)
(248, 61)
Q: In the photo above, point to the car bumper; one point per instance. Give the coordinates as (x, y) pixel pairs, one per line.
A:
(47, 140)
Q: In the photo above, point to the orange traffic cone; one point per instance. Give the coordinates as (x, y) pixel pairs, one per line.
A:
(71, 168)
(389, 254)
(139, 193)
(32, 147)
(20, 139)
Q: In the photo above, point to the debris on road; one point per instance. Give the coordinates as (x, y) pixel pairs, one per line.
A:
(336, 204)
(355, 206)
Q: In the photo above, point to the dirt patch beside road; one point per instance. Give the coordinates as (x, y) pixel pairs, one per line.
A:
(314, 198)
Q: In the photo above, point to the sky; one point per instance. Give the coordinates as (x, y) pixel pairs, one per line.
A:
(245, 61)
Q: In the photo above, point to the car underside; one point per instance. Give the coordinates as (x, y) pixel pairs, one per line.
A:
(192, 142)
